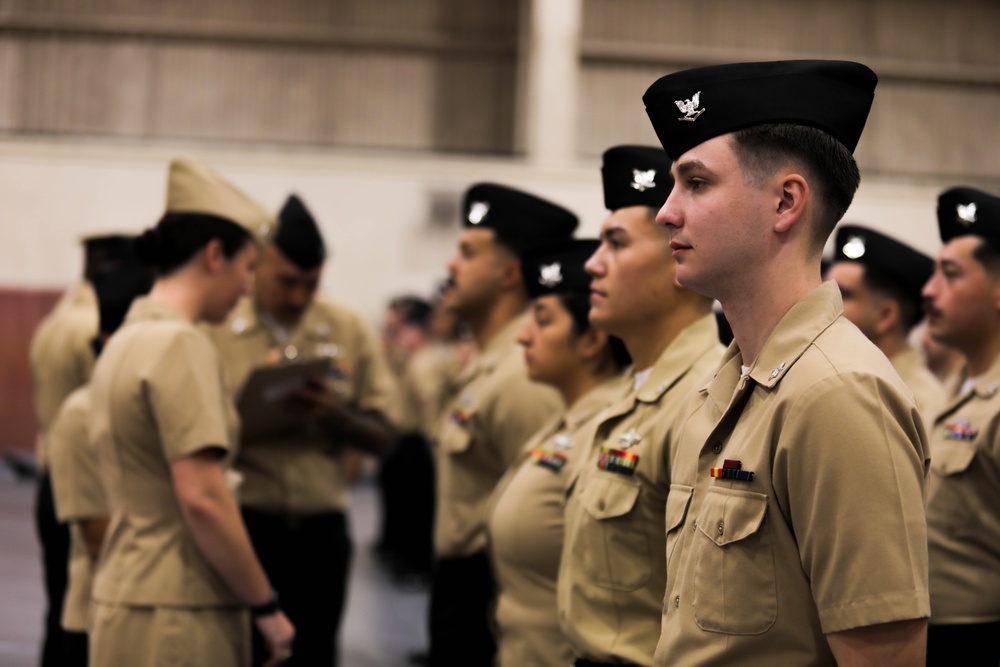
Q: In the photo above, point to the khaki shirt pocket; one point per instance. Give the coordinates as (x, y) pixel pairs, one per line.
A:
(616, 548)
(678, 501)
(953, 457)
(735, 588)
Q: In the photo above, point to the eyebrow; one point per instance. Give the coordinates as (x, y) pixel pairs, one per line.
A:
(612, 231)
(688, 166)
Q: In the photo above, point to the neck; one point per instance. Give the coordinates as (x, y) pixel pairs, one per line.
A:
(580, 384)
(754, 310)
(647, 342)
(892, 345)
(486, 325)
(180, 292)
(982, 357)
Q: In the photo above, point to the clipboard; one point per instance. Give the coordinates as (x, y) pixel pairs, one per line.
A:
(261, 401)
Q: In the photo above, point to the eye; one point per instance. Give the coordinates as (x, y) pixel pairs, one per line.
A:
(695, 184)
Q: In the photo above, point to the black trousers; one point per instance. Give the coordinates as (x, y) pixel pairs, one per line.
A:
(59, 647)
(462, 591)
(307, 558)
(406, 485)
(969, 645)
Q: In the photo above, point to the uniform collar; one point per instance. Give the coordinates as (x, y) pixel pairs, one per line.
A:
(595, 400)
(988, 383)
(693, 341)
(144, 309)
(245, 321)
(906, 359)
(502, 343)
(798, 329)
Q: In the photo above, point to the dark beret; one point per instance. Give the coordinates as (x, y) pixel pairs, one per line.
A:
(635, 176)
(297, 235)
(556, 267)
(884, 258)
(519, 219)
(963, 211)
(690, 107)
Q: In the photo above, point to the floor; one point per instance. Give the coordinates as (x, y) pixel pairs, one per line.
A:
(384, 622)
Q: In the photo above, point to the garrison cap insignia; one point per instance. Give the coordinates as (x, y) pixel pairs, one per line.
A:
(643, 180)
(478, 211)
(854, 248)
(966, 213)
(550, 275)
(690, 107)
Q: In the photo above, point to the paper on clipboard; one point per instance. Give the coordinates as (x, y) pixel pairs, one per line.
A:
(261, 402)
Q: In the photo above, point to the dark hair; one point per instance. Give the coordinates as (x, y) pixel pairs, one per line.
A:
(987, 253)
(413, 310)
(577, 305)
(911, 309)
(178, 236)
(829, 165)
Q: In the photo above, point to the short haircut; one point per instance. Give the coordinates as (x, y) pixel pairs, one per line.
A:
(910, 305)
(829, 167)
(987, 253)
(412, 310)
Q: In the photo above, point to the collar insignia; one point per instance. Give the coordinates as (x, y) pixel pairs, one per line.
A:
(629, 439)
(690, 107)
(854, 248)
(478, 211)
(643, 180)
(550, 275)
(966, 213)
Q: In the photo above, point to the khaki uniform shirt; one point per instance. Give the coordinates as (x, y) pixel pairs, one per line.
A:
(61, 356)
(78, 495)
(496, 410)
(929, 394)
(612, 573)
(829, 534)
(156, 398)
(963, 505)
(303, 471)
(526, 535)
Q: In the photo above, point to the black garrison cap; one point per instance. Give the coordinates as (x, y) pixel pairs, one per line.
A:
(963, 211)
(518, 219)
(690, 107)
(297, 235)
(884, 259)
(556, 267)
(116, 288)
(635, 176)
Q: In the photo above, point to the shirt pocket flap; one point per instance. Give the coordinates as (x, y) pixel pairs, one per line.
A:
(607, 498)
(455, 438)
(730, 515)
(678, 501)
(952, 457)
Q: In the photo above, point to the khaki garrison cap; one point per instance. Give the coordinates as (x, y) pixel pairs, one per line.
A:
(192, 187)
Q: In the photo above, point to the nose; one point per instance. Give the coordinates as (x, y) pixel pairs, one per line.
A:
(668, 214)
(524, 334)
(593, 264)
(929, 290)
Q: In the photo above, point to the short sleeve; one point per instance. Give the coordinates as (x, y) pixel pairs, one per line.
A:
(851, 464)
(185, 394)
(76, 482)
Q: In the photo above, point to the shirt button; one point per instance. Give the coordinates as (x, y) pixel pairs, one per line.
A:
(291, 352)
(722, 525)
(600, 505)
(717, 447)
(677, 601)
(694, 525)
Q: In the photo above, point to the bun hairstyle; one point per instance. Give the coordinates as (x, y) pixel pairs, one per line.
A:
(178, 236)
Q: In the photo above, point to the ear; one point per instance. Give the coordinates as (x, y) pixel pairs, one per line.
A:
(213, 256)
(793, 198)
(887, 316)
(510, 272)
(591, 343)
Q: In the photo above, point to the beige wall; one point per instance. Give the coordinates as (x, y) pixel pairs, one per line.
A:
(381, 113)
(391, 221)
